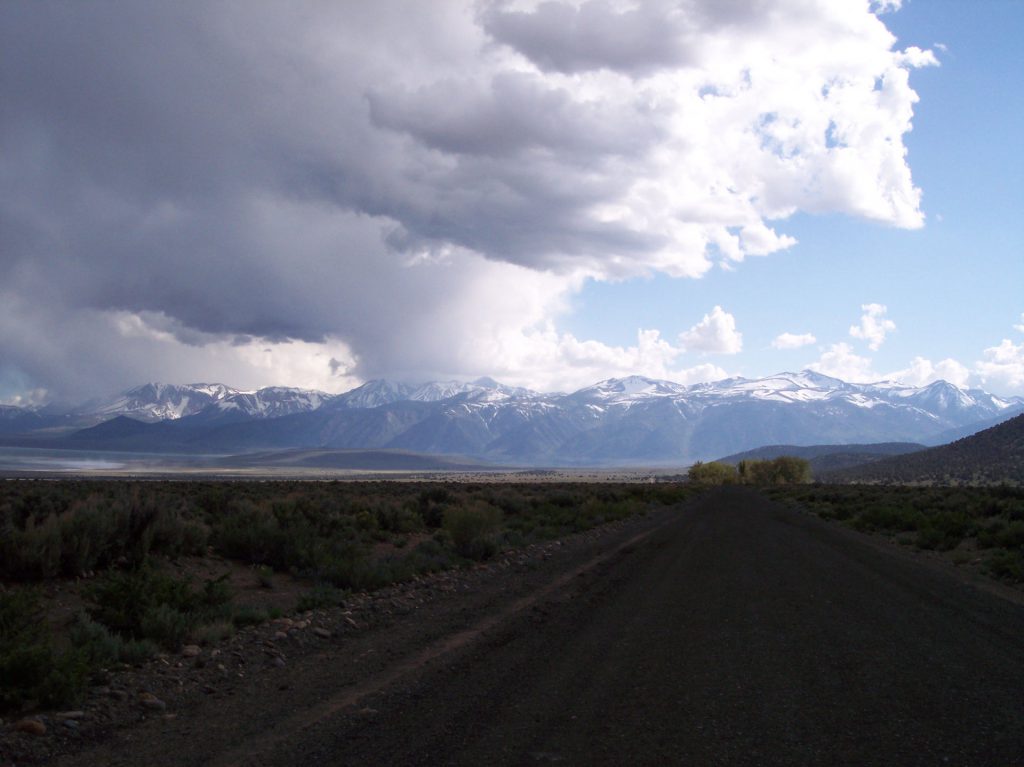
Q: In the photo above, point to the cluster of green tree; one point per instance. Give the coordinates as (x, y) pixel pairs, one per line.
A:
(784, 470)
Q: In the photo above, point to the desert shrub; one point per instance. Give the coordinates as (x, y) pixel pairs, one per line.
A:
(33, 673)
(247, 615)
(347, 565)
(174, 535)
(430, 505)
(146, 604)
(942, 518)
(211, 633)
(166, 625)
(265, 576)
(1006, 565)
(248, 533)
(944, 531)
(430, 556)
(98, 643)
(473, 528)
(25, 658)
(102, 647)
(320, 596)
(32, 552)
(92, 532)
(887, 518)
(394, 517)
(1012, 535)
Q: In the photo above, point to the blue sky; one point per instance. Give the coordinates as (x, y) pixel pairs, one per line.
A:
(547, 193)
(953, 288)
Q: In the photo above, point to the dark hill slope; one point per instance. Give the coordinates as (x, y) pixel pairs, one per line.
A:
(993, 456)
(827, 458)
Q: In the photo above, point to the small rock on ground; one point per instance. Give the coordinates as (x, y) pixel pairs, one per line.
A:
(30, 726)
(150, 701)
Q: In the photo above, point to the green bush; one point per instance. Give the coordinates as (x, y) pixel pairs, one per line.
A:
(473, 529)
(33, 673)
(102, 647)
(147, 604)
(320, 596)
(92, 533)
(1007, 565)
(347, 565)
(942, 518)
(248, 615)
(211, 633)
(166, 625)
(429, 556)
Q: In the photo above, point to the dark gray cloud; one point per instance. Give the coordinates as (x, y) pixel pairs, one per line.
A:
(570, 37)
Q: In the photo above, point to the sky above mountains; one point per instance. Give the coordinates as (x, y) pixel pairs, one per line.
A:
(551, 194)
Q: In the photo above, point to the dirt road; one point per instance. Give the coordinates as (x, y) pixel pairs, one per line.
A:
(732, 632)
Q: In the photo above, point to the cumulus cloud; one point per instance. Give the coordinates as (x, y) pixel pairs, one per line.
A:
(874, 326)
(922, 371)
(793, 340)
(1002, 367)
(400, 183)
(552, 361)
(1020, 327)
(715, 334)
(840, 361)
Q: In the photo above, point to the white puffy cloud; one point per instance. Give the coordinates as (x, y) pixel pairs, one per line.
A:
(922, 371)
(715, 334)
(543, 358)
(793, 340)
(1003, 367)
(418, 187)
(874, 326)
(1020, 327)
(840, 361)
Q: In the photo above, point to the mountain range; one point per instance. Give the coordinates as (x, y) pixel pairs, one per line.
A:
(620, 421)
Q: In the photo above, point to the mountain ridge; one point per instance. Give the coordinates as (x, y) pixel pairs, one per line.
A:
(619, 421)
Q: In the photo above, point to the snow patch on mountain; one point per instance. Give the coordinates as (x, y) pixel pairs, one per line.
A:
(158, 401)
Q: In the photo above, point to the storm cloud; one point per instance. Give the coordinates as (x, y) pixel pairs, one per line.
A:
(318, 193)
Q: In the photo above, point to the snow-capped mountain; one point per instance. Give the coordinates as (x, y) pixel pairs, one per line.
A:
(481, 388)
(18, 419)
(627, 420)
(627, 391)
(157, 401)
(372, 394)
(938, 399)
(161, 402)
(270, 402)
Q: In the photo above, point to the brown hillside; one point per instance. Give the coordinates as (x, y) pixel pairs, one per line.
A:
(993, 456)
